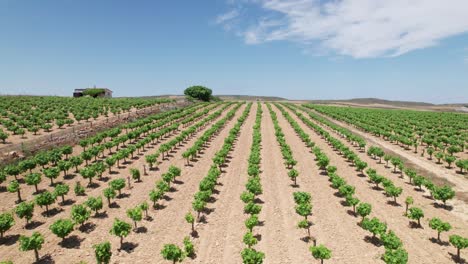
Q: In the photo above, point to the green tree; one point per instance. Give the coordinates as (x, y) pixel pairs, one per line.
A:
(440, 226)
(3, 177)
(444, 193)
(408, 201)
(198, 205)
(430, 151)
(320, 252)
(3, 136)
(25, 210)
(79, 189)
(95, 204)
(251, 256)
(45, 199)
(439, 156)
(390, 240)
(12, 170)
(64, 165)
(393, 191)
(151, 159)
(416, 213)
(6, 222)
(249, 239)
(173, 253)
(110, 161)
(199, 92)
(135, 174)
(302, 197)
(33, 242)
(449, 159)
(252, 208)
(247, 197)
(374, 226)
(352, 201)
(155, 196)
(118, 185)
(80, 214)
(103, 252)
(364, 209)
(304, 224)
(15, 187)
(51, 173)
(88, 173)
(396, 256)
(144, 207)
(135, 214)
(61, 190)
(361, 165)
(459, 243)
(191, 220)
(293, 174)
(76, 161)
(33, 179)
(251, 222)
(109, 193)
(189, 248)
(62, 228)
(174, 171)
(121, 229)
(304, 209)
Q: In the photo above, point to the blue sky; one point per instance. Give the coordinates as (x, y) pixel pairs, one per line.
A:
(298, 49)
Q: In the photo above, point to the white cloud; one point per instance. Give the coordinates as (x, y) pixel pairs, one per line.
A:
(357, 28)
(223, 18)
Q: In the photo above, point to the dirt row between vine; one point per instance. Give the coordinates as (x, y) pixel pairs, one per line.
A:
(332, 225)
(417, 241)
(439, 173)
(139, 246)
(220, 238)
(459, 204)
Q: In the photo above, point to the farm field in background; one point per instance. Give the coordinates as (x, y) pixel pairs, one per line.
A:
(235, 182)
(27, 117)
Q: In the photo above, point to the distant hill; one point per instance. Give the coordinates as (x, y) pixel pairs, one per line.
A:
(251, 98)
(381, 103)
(356, 102)
(366, 101)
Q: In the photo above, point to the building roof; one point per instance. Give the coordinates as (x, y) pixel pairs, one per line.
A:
(83, 89)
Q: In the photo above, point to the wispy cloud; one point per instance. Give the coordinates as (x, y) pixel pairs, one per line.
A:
(223, 18)
(357, 28)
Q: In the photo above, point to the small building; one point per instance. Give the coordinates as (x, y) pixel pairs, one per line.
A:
(94, 92)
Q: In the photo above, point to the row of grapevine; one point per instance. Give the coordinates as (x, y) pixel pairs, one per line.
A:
(253, 188)
(53, 156)
(26, 209)
(207, 185)
(394, 253)
(439, 134)
(442, 193)
(201, 142)
(18, 114)
(170, 251)
(60, 162)
(303, 200)
(120, 228)
(184, 135)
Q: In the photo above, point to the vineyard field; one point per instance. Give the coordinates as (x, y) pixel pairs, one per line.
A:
(235, 182)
